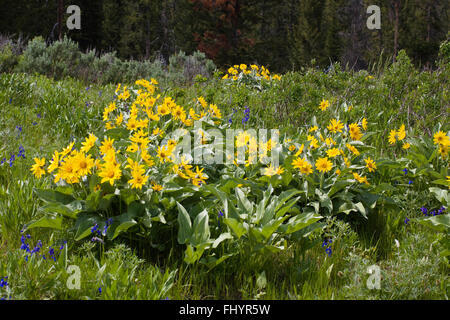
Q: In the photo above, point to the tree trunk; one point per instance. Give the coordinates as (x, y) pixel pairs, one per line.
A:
(60, 17)
(396, 25)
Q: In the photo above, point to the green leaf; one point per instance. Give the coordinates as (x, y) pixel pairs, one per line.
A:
(185, 225)
(369, 199)
(272, 226)
(93, 200)
(285, 196)
(361, 209)
(338, 186)
(287, 207)
(201, 231)
(256, 234)
(219, 194)
(300, 221)
(135, 209)
(315, 205)
(212, 262)
(221, 238)
(83, 225)
(260, 208)
(261, 281)
(325, 201)
(106, 201)
(441, 195)
(287, 178)
(246, 204)
(125, 221)
(445, 253)
(346, 208)
(191, 254)
(47, 222)
(128, 196)
(439, 223)
(70, 210)
(328, 273)
(235, 226)
(122, 227)
(118, 133)
(442, 182)
(383, 187)
(51, 196)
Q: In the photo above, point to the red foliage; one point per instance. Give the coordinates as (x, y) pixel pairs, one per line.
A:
(224, 34)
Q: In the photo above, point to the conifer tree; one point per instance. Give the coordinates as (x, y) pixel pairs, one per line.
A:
(307, 37)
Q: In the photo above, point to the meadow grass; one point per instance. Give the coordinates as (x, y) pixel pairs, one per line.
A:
(42, 115)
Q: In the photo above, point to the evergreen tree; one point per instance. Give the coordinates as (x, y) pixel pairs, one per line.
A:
(307, 37)
(331, 26)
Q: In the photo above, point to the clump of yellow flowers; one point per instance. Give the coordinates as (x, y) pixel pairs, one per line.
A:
(137, 157)
(254, 70)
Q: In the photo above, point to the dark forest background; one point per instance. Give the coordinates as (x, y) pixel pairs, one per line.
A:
(281, 34)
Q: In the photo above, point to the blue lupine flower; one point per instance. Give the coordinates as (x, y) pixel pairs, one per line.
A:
(406, 221)
(10, 100)
(221, 214)
(3, 282)
(34, 123)
(246, 115)
(326, 243)
(100, 290)
(87, 88)
(62, 246)
(24, 245)
(12, 159)
(105, 229)
(231, 117)
(39, 115)
(21, 152)
(3, 161)
(36, 249)
(94, 228)
(405, 171)
(410, 182)
(424, 211)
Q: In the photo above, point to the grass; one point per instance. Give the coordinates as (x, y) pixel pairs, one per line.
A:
(50, 113)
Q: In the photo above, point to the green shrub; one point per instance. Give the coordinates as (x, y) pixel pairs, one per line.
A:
(444, 52)
(8, 60)
(33, 60)
(64, 59)
(184, 68)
